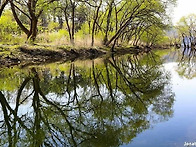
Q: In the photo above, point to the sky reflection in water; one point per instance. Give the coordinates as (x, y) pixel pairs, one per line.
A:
(181, 127)
(117, 101)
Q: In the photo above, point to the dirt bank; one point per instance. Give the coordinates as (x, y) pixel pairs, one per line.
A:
(30, 55)
(24, 55)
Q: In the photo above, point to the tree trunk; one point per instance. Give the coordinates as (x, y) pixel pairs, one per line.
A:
(108, 22)
(23, 28)
(94, 23)
(33, 30)
(31, 36)
(70, 27)
(67, 23)
(60, 20)
(3, 6)
(118, 32)
(73, 23)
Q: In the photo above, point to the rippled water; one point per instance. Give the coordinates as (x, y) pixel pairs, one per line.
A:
(132, 100)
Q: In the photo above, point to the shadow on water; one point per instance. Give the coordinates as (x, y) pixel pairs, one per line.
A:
(105, 104)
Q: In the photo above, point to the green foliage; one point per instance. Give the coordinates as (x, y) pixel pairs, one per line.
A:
(154, 35)
(11, 79)
(52, 26)
(9, 30)
(58, 35)
(125, 21)
(48, 37)
(187, 24)
(83, 31)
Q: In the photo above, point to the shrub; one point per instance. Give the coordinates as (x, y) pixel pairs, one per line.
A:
(9, 30)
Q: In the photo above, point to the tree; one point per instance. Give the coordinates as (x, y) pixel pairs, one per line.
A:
(68, 8)
(187, 29)
(32, 10)
(110, 21)
(135, 11)
(95, 17)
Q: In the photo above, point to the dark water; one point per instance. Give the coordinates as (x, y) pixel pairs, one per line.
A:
(132, 100)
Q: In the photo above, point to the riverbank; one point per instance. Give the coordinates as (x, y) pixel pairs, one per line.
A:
(29, 55)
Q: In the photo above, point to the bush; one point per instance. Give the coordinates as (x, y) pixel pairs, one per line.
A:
(50, 37)
(9, 30)
(52, 26)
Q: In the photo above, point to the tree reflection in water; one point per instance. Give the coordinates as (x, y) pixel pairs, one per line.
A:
(105, 105)
(187, 64)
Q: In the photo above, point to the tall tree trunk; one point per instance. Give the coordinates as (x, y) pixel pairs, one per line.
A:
(73, 23)
(22, 27)
(108, 22)
(70, 27)
(94, 23)
(2, 6)
(60, 20)
(33, 31)
(67, 23)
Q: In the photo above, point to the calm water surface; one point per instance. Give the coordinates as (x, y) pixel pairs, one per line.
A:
(144, 100)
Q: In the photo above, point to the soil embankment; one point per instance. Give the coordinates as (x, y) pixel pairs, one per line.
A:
(29, 56)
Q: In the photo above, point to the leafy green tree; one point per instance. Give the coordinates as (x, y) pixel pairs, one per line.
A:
(109, 21)
(138, 11)
(187, 29)
(187, 24)
(32, 10)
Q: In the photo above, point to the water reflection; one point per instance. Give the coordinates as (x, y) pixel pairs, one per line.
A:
(187, 63)
(106, 104)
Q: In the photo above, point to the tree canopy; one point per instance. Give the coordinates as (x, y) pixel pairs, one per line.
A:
(109, 21)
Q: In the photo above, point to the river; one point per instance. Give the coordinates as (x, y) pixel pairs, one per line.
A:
(144, 100)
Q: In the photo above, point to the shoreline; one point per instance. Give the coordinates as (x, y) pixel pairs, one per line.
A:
(36, 55)
(32, 55)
